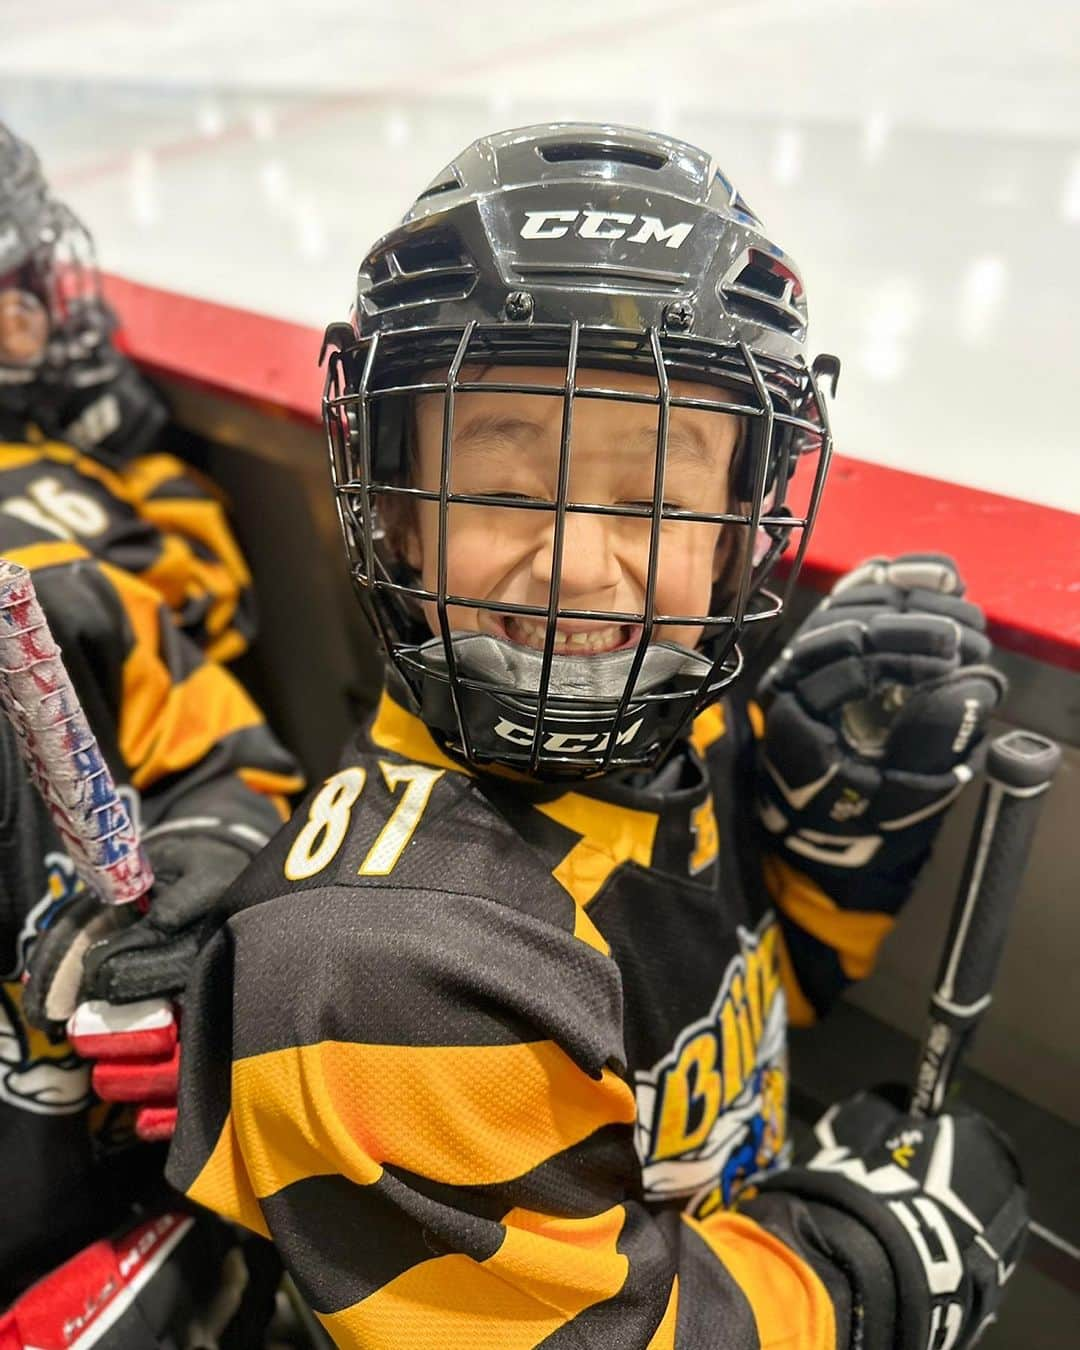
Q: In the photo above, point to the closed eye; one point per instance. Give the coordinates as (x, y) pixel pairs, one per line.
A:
(508, 496)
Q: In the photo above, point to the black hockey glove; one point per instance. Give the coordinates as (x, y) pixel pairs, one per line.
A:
(874, 717)
(943, 1200)
(116, 954)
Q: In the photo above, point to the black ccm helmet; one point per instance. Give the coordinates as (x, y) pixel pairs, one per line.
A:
(573, 246)
(47, 257)
(77, 386)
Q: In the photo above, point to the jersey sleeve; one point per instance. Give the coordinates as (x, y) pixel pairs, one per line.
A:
(828, 941)
(422, 1098)
(831, 928)
(171, 722)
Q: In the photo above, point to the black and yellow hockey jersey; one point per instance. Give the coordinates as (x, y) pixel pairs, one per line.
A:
(185, 743)
(490, 1062)
(154, 516)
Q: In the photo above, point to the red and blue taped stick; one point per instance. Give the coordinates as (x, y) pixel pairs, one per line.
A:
(60, 751)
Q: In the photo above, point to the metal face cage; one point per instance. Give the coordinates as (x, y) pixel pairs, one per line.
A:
(59, 271)
(550, 715)
(71, 281)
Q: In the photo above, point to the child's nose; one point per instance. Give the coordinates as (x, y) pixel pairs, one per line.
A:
(589, 564)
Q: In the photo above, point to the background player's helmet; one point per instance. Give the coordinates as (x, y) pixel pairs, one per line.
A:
(574, 246)
(75, 384)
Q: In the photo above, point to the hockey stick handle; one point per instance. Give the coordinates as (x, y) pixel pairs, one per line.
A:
(60, 751)
(1019, 767)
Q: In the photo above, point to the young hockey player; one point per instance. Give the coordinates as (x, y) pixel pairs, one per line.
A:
(77, 431)
(136, 570)
(79, 425)
(205, 778)
(495, 1036)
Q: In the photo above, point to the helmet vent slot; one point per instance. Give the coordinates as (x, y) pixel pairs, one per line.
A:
(567, 152)
(756, 277)
(446, 185)
(419, 271)
(766, 292)
(425, 252)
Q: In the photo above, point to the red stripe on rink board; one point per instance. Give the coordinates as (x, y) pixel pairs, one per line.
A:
(1021, 560)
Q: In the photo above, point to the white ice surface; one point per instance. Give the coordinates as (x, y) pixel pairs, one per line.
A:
(921, 159)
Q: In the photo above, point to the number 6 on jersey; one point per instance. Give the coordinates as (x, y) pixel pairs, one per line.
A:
(330, 813)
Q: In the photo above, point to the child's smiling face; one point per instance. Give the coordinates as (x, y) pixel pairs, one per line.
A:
(507, 444)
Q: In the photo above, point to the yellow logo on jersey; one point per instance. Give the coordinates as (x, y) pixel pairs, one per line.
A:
(713, 1111)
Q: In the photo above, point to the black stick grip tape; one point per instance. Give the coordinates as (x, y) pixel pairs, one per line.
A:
(1020, 766)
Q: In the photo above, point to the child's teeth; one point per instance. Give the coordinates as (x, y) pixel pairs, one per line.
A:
(533, 633)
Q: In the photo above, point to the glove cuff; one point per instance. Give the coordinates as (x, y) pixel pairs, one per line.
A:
(56, 960)
(912, 1312)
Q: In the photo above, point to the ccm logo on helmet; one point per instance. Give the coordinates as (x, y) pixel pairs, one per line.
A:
(604, 225)
(564, 742)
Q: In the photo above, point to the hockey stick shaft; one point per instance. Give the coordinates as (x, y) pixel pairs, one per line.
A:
(1020, 766)
(60, 751)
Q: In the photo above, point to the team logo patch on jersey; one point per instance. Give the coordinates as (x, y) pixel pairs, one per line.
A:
(713, 1112)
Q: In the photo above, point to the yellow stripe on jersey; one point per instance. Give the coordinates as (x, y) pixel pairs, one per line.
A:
(59, 453)
(663, 1338)
(611, 835)
(200, 711)
(586, 931)
(854, 935)
(204, 520)
(170, 572)
(343, 1107)
(400, 731)
(18, 456)
(34, 557)
(146, 474)
(275, 786)
(180, 575)
(222, 578)
(790, 1304)
(167, 727)
(757, 720)
(223, 1184)
(227, 647)
(546, 1272)
(708, 727)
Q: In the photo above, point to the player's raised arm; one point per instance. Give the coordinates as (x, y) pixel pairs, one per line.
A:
(874, 720)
